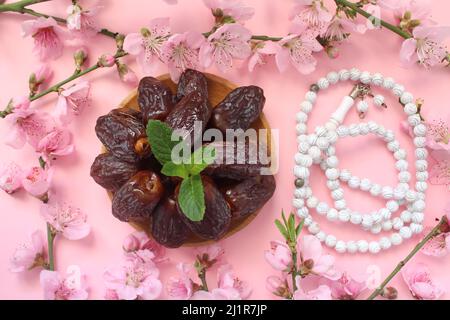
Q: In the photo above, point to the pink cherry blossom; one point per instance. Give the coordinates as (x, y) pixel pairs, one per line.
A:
(133, 280)
(311, 14)
(138, 244)
(346, 288)
(27, 125)
(147, 44)
(56, 143)
(419, 10)
(275, 284)
(438, 135)
(339, 28)
(297, 49)
(210, 254)
(279, 256)
(36, 181)
(228, 280)
(417, 277)
(30, 255)
(66, 220)
(323, 292)
(69, 287)
(48, 37)
(228, 42)
(234, 9)
(440, 170)
(438, 246)
(82, 21)
(181, 288)
(426, 46)
(260, 52)
(72, 101)
(127, 75)
(314, 260)
(180, 52)
(42, 75)
(11, 178)
(111, 295)
(216, 294)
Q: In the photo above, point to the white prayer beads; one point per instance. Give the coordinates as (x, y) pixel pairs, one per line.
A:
(319, 148)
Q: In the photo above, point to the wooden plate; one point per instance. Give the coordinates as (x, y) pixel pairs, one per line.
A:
(218, 89)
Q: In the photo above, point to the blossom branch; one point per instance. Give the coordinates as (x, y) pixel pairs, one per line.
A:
(51, 234)
(58, 86)
(21, 7)
(387, 25)
(438, 229)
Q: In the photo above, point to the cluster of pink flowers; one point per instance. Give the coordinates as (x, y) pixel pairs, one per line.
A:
(69, 222)
(313, 263)
(137, 277)
(229, 286)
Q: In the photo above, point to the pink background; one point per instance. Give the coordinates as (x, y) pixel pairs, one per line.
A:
(375, 52)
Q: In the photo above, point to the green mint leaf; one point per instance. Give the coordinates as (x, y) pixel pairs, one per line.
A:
(200, 159)
(282, 229)
(191, 198)
(171, 169)
(160, 137)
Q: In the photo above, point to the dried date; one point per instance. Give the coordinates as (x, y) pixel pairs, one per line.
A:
(191, 109)
(250, 195)
(239, 109)
(110, 172)
(136, 199)
(192, 81)
(123, 135)
(217, 218)
(167, 227)
(155, 99)
(236, 161)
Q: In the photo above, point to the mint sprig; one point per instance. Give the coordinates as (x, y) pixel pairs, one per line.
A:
(191, 196)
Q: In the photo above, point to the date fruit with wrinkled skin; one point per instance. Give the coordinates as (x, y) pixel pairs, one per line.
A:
(136, 199)
(250, 195)
(239, 109)
(126, 112)
(217, 218)
(194, 107)
(192, 81)
(111, 173)
(123, 135)
(155, 99)
(167, 227)
(235, 163)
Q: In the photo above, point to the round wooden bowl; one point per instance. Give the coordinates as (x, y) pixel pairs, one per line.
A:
(218, 89)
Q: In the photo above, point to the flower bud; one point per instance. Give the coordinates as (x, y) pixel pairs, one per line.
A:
(278, 287)
(131, 244)
(39, 77)
(106, 60)
(414, 23)
(80, 56)
(126, 74)
(120, 38)
(145, 32)
(407, 15)
(390, 293)
(332, 52)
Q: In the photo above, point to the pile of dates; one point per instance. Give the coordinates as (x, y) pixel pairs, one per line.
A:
(143, 195)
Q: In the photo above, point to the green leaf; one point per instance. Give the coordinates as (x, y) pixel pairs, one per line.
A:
(191, 198)
(282, 229)
(291, 227)
(200, 159)
(284, 218)
(160, 137)
(171, 169)
(299, 228)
